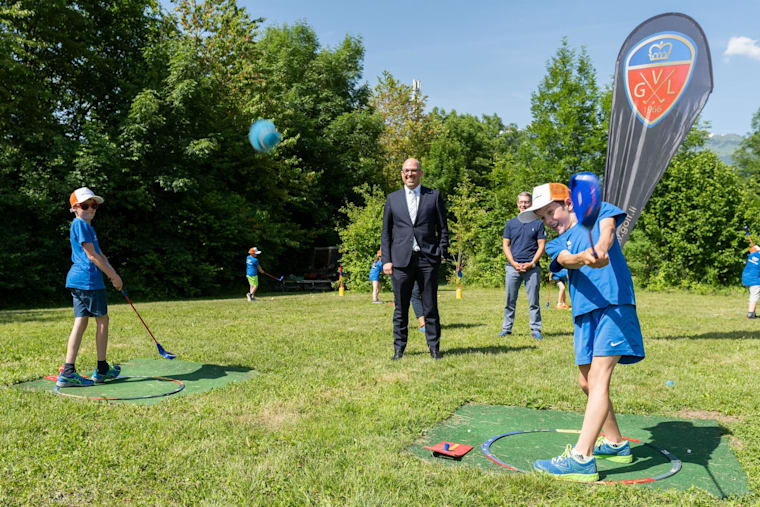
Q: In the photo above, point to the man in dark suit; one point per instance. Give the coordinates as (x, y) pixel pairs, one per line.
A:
(414, 240)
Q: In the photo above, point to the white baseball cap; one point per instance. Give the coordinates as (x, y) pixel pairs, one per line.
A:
(543, 195)
(254, 250)
(82, 194)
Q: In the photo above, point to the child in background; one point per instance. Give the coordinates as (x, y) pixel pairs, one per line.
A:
(607, 330)
(561, 278)
(751, 279)
(374, 277)
(85, 281)
(252, 269)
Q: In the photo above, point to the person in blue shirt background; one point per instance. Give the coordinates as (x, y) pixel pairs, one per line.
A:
(751, 279)
(523, 245)
(85, 282)
(560, 278)
(252, 268)
(374, 277)
(607, 330)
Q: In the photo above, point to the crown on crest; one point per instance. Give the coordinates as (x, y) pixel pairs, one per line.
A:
(660, 51)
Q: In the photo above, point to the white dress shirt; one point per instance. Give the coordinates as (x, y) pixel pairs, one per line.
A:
(413, 202)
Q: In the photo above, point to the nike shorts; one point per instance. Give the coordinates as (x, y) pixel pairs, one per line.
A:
(89, 303)
(610, 331)
(253, 280)
(754, 293)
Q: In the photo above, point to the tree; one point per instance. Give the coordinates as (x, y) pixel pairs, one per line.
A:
(567, 133)
(409, 131)
(690, 232)
(360, 236)
(747, 156)
(465, 206)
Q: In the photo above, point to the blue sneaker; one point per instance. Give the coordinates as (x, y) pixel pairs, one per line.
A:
(536, 335)
(113, 372)
(621, 454)
(504, 332)
(566, 467)
(75, 380)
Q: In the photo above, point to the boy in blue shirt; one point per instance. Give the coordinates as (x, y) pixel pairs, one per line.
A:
(607, 330)
(85, 281)
(751, 279)
(374, 277)
(252, 269)
(560, 278)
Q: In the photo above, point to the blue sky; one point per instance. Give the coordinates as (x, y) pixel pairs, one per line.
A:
(485, 57)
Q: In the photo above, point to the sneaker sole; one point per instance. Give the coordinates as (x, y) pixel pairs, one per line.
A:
(615, 458)
(69, 384)
(572, 477)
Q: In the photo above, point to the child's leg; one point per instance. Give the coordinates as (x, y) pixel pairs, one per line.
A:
(375, 290)
(421, 321)
(561, 293)
(253, 290)
(101, 336)
(753, 297)
(75, 339)
(595, 382)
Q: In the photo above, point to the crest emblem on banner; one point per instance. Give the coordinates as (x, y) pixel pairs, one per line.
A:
(657, 72)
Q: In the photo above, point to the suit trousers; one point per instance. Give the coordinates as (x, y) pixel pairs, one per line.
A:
(425, 272)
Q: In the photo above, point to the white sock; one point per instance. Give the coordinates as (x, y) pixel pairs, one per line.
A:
(581, 458)
(612, 444)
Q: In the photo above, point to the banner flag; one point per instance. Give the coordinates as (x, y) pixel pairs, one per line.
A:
(663, 77)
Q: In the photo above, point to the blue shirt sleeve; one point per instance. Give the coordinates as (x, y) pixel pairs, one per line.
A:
(83, 233)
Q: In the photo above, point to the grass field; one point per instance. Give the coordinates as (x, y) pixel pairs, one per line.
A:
(329, 417)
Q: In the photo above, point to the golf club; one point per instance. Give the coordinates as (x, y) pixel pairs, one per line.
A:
(167, 355)
(586, 195)
(751, 244)
(274, 277)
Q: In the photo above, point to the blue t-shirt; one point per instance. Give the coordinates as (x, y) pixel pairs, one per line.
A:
(374, 272)
(751, 273)
(251, 266)
(83, 274)
(524, 238)
(593, 288)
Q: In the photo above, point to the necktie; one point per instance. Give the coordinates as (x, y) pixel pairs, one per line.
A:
(411, 200)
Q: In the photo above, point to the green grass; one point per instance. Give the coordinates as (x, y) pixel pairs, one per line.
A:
(329, 417)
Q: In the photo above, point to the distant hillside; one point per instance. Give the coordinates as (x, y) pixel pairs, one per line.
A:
(724, 145)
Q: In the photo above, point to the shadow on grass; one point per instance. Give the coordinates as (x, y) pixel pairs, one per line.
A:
(717, 335)
(675, 437)
(205, 372)
(12, 316)
(460, 325)
(494, 349)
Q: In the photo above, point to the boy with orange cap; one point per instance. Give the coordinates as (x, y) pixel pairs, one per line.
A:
(85, 281)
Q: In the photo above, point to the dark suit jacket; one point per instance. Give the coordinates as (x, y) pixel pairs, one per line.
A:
(430, 228)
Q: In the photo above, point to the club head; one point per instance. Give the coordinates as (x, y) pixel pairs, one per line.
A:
(167, 355)
(280, 279)
(586, 194)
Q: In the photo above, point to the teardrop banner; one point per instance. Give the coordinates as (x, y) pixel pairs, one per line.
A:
(663, 77)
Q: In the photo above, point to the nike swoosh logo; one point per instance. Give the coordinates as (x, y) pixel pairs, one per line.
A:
(615, 344)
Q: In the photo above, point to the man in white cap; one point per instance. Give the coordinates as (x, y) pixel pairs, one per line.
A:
(85, 281)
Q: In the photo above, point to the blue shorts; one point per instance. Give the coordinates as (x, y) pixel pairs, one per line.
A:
(89, 303)
(374, 278)
(610, 331)
(560, 279)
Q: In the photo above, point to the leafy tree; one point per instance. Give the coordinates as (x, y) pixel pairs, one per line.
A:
(409, 131)
(567, 133)
(690, 232)
(747, 156)
(360, 237)
(465, 206)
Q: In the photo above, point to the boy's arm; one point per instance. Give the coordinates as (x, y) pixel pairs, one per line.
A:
(101, 261)
(586, 257)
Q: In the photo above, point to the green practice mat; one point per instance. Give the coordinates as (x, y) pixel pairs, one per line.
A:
(196, 377)
(701, 445)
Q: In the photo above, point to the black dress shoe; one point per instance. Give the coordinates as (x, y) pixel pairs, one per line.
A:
(397, 356)
(436, 354)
